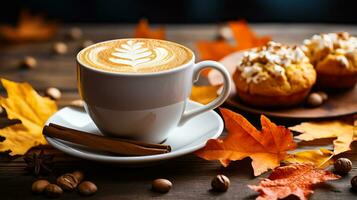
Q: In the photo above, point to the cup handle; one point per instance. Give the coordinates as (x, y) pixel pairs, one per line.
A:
(219, 100)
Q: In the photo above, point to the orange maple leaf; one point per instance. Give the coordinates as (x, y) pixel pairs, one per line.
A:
(244, 38)
(143, 31)
(266, 148)
(295, 179)
(29, 28)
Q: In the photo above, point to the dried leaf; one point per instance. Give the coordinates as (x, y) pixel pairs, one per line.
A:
(266, 147)
(244, 38)
(294, 179)
(25, 104)
(143, 31)
(341, 130)
(204, 94)
(320, 158)
(29, 28)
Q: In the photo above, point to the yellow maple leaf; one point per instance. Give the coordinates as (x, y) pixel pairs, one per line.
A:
(33, 110)
(320, 158)
(204, 94)
(341, 130)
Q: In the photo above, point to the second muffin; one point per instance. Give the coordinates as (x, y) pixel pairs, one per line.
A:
(274, 75)
(334, 56)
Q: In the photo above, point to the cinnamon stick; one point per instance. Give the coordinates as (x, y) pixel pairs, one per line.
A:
(102, 143)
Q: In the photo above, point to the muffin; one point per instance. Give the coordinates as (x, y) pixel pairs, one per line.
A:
(334, 56)
(274, 75)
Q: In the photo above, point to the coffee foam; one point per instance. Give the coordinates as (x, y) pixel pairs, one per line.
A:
(135, 55)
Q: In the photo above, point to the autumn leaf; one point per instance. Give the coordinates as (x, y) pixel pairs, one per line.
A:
(204, 94)
(143, 31)
(320, 158)
(294, 179)
(266, 148)
(29, 28)
(25, 104)
(244, 38)
(341, 130)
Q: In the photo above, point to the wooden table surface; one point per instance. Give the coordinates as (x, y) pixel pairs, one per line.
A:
(190, 175)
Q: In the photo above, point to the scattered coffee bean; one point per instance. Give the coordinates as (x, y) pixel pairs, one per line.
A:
(67, 182)
(342, 166)
(161, 185)
(220, 183)
(77, 103)
(314, 100)
(39, 186)
(86, 43)
(53, 93)
(60, 48)
(75, 33)
(354, 183)
(53, 190)
(78, 175)
(323, 95)
(87, 188)
(28, 62)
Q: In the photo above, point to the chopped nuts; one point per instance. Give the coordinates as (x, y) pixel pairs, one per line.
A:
(39, 186)
(220, 183)
(342, 166)
(87, 188)
(60, 48)
(53, 190)
(161, 185)
(53, 93)
(28, 62)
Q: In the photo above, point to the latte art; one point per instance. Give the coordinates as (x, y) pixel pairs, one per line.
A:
(135, 55)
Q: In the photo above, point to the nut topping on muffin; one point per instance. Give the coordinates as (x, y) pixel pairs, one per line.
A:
(270, 60)
(334, 56)
(342, 44)
(274, 75)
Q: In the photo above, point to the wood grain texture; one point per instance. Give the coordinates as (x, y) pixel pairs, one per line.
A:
(190, 175)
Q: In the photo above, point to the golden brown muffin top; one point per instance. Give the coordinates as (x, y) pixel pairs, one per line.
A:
(274, 69)
(342, 47)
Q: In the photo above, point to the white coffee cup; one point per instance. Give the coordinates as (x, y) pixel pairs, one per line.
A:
(144, 106)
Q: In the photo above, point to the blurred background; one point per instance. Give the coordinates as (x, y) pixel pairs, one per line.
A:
(186, 11)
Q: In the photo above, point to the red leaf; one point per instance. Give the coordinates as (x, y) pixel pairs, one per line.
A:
(294, 179)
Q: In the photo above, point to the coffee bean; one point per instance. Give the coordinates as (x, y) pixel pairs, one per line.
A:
(75, 33)
(354, 183)
(79, 175)
(314, 100)
(342, 166)
(28, 62)
(220, 183)
(39, 186)
(60, 48)
(87, 188)
(67, 182)
(161, 185)
(53, 190)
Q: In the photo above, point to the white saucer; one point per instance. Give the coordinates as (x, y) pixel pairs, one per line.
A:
(183, 140)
